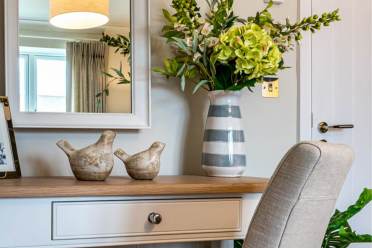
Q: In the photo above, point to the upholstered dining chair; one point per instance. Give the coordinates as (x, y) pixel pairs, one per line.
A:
(295, 209)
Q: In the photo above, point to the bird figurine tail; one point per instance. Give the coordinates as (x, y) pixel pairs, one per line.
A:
(66, 147)
(122, 155)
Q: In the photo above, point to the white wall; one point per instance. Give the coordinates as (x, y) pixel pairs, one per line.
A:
(178, 119)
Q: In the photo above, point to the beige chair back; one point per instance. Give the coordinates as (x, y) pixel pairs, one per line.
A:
(295, 210)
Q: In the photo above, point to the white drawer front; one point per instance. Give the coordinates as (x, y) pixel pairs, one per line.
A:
(106, 219)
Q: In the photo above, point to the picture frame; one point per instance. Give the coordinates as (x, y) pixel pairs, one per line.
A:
(9, 161)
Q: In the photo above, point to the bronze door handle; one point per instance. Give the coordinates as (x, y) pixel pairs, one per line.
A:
(324, 127)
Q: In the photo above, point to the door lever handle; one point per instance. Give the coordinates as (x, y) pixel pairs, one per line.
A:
(324, 127)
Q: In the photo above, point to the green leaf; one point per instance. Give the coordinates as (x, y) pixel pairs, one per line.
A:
(108, 74)
(340, 218)
(170, 34)
(195, 42)
(183, 83)
(218, 85)
(339, 232)
(224, 75)
(199, 85)
(191, 72)
(124, 81)
(174, 66)
(269, 5)
(167, 64)
(181, 44)
(120, 42)
(118, 72)
(168, 16)
(245, 83)
(238, 243)
(181, 71)
(159, 70)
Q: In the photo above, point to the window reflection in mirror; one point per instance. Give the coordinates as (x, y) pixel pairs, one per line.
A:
(70, 63)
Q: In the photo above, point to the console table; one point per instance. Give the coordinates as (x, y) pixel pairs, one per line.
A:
(63, 212)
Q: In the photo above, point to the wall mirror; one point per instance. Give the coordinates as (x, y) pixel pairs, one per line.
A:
(78, 64)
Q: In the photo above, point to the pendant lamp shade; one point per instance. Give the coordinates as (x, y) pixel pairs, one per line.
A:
(78, 14)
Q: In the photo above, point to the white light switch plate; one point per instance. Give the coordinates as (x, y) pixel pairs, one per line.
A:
(275, 1)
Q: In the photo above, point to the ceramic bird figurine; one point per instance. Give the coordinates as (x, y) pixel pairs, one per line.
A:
(144, 165)
(93, 163)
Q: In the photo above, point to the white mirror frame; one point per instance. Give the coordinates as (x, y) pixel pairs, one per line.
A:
(140, 118)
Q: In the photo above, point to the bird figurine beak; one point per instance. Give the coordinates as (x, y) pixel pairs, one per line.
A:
(158, 146)
(107, 137)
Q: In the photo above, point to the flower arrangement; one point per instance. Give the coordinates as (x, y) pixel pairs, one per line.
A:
(225, 52)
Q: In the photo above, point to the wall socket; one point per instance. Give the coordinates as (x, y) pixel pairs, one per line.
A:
(270, 88)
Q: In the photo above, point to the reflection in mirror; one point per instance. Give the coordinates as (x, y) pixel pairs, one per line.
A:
(74, 56)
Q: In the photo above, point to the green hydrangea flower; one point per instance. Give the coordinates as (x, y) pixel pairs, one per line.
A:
(253, 50)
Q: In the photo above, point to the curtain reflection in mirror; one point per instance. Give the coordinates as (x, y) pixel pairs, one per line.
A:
(86, 62)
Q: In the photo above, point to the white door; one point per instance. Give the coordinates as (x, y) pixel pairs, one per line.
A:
(341, 93)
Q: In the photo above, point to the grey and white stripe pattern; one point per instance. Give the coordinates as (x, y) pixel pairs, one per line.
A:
(224, 141)
(223, 146)
(224, 111)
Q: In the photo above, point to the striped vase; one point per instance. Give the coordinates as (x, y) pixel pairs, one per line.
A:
(224, 147)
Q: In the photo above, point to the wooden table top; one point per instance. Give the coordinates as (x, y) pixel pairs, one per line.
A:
(34, 187)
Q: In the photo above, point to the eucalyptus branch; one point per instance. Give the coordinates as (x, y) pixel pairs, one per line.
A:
(285, 35)
(221, 16)
(204, 70)
(186, 14)
(313, 23)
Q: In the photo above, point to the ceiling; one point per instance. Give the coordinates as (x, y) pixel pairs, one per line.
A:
(38, 10)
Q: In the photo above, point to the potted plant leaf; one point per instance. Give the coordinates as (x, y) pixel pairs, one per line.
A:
(339, 233)
(224, 54)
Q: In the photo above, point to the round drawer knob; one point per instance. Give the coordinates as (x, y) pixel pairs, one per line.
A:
(155, 218)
